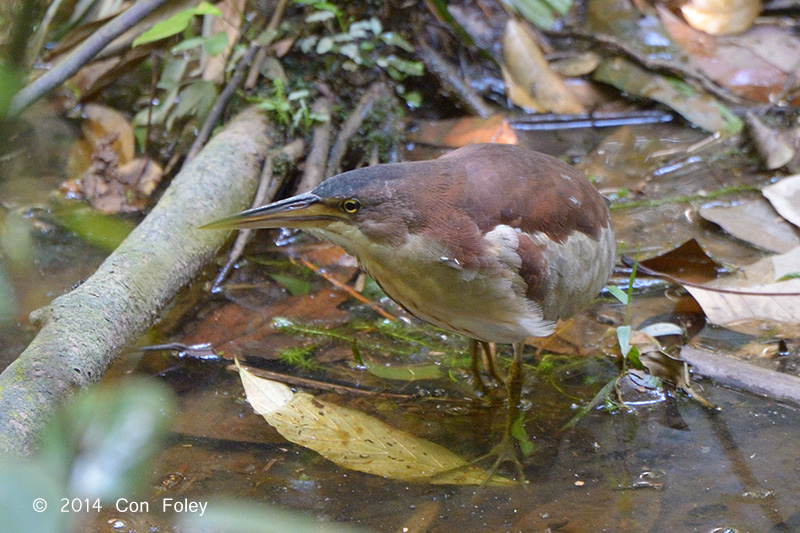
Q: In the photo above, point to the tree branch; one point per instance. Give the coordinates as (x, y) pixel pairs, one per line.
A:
(83, 331)
(82, 55)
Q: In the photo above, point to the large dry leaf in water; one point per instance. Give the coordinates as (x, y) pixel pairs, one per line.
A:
(530, 81)
(755, 295)
(355, 440)
(785, 198)
(756, 222)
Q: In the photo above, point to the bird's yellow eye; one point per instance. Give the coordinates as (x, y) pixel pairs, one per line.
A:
(351, 205)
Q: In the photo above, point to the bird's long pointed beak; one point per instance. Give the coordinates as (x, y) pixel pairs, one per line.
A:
(301, 211)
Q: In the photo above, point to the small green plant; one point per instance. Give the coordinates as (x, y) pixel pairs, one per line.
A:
(182, 94)
(361, 43)
(300, 356)
(292, 109)
(630, 354)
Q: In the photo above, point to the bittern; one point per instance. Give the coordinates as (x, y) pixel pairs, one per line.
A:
(495, 242)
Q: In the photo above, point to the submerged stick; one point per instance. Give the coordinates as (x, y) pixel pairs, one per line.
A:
(731, 372)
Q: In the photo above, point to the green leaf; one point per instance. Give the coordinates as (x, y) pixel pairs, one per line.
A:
(104, 231)
(188, 44)
(619, 294)
(165, 28)
(298, 95)
(405, 373)
(10, 82)
(519, 433)
(195, 101)
(295, 286)
(207, 8)
(413, 99)
(538, 12)
(602, 396)
(176, 24)
(624, 339)
(319, 16)
(103, 442)
(394, 39)
(561, 6)
(215, 44)
(787, 277)
(634, 358)
(327, 6)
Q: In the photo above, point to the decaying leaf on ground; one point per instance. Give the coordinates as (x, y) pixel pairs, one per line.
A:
(760, 65)
(355, 440)
(700, 109)
(755, 222)
(775, 147)
(103, 167)
(530, 82)
(763, 295)
(784, 195)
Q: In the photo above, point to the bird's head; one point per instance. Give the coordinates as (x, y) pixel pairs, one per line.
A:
(354, 209)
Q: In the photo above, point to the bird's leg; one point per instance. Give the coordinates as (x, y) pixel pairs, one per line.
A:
(487, 356)
(475, 367)
(507, 450)
(490, 359)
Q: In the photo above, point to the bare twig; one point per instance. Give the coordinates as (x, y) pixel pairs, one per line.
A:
(451, 81)
(221, 103)
(261, 55)
(82, 55)
(317, 158)
(338, 388)
(374, 93)
(346, 288)
(265, 193)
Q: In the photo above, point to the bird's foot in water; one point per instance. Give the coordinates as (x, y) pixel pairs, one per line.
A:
(510, 449)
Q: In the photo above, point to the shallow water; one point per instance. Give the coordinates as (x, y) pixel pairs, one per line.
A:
(668, 465)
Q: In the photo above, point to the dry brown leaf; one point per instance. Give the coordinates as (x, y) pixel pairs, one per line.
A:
(230, 23)
(101, 121)
(756, 222)
(142, 174)
(775, 147)
(785, 198)
(533, 81)
(455, 133)
(754, 295)
(355, 440)
(721, 17)
(576, 65)
(758, 65)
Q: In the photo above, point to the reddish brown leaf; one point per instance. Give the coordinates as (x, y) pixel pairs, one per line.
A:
(688, 262)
